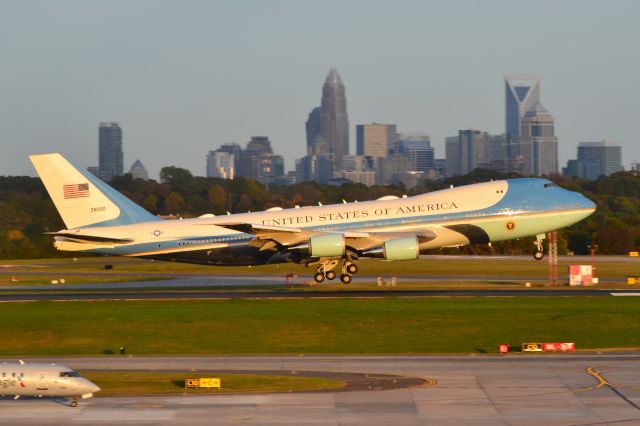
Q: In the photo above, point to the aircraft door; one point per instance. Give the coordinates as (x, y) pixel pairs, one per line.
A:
(42, 381)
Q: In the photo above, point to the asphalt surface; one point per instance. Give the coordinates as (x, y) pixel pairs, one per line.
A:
(219, 295)
(189, 280)
(553, 389)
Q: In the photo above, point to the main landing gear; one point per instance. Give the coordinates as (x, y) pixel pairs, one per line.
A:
(326, 270)
(539, 253)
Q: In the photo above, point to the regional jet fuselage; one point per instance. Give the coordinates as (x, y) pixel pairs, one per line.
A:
(102, 221)
(20, 379)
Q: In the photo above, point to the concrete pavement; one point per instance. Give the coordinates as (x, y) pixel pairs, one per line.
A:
(559, 389)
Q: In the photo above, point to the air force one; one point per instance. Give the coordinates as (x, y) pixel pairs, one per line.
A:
(100, 220)
(19, 379)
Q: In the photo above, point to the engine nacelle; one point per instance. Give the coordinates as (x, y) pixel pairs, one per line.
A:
(327, 245)
(401, 249)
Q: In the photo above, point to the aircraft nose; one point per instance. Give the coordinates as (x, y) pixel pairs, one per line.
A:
(585, 203)
(89, 387)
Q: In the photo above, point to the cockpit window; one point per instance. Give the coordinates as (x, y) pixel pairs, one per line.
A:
(550, 185)
(69, 374)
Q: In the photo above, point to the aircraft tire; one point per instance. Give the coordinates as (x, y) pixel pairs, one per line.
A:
(318, 277)
(538, 255)
(352, 268)
(74, 403)
(331, 275)
(346, 278)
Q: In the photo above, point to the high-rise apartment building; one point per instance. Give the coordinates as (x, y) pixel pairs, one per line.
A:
(375, 139)
(595, 159)
(110, 155)
(334, 123)
(538, 144)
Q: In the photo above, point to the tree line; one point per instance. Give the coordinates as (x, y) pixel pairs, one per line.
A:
(27, 213)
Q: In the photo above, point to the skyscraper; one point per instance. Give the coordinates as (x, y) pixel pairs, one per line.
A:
(419, 150)
(334, 123)
(220, 164)
(467, 152)
(532, 148)
(110, 155)
(254, 161)
(312, 127)
(538, 143)
(375, 139)
(138, 171)
(522, 92)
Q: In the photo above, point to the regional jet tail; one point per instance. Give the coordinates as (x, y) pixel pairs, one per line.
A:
(20, 379)
(100, 220)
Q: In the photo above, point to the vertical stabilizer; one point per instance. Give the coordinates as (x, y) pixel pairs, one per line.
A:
(81, 198)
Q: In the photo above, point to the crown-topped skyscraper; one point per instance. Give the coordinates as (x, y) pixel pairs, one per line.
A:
(334, 123)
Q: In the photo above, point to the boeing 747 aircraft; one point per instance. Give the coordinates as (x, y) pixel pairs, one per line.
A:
(100, 220)
(20, 379)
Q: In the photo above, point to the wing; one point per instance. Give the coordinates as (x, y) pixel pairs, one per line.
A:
(272, 237)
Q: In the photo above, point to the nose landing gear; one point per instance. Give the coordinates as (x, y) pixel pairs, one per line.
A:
(539, 253)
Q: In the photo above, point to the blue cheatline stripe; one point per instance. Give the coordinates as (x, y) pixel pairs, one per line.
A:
(130, 212)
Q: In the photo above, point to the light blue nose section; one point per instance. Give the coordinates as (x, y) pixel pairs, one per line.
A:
(583, 202)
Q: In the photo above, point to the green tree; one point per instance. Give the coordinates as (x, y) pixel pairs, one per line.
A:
(174, 204)
(151, 203)
(217, 198)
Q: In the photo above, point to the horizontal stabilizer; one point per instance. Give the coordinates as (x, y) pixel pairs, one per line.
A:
(91, 238)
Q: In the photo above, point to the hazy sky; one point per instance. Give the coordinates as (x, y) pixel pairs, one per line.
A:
(183, 77)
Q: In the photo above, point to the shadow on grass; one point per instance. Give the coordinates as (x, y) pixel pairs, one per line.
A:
(178, 383)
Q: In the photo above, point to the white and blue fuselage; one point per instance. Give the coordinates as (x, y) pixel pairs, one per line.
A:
(478, 213)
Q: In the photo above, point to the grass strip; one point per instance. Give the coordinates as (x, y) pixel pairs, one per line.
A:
(315, 326)
(162, 383)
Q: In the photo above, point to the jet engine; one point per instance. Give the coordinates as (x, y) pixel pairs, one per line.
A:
(406, 248)
(327, 245)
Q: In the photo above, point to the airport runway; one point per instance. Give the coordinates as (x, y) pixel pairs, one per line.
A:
(561, 389)
(206, 281)
(292, 294)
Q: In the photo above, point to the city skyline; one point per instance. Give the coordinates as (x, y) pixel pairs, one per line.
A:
(66, 70)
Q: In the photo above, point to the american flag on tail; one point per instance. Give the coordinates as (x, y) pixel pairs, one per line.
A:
(77, 190)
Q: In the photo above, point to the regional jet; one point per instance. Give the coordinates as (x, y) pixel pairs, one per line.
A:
(100, 220)
(20, 379)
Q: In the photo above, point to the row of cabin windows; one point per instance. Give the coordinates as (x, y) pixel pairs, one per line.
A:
(62, 374)
(209, 241)
(5, 374)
